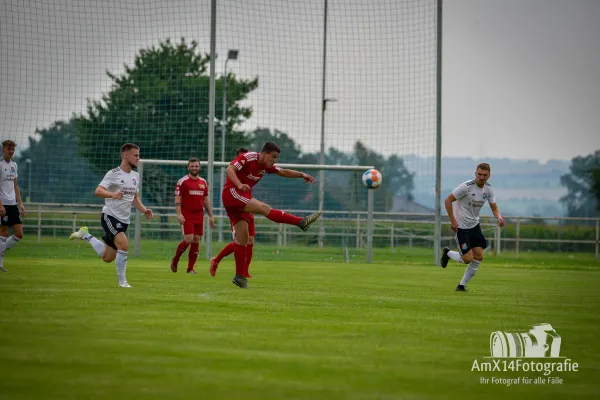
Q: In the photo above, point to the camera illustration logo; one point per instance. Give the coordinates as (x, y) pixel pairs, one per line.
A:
(541, 341)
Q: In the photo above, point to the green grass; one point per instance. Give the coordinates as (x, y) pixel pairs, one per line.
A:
(311, 329)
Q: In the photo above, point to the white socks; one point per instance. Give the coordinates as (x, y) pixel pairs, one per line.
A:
(470, 272)
(11, 241)
(455, 255)
(2, 249)
(121, 263)
(5, 244)
(95, 243)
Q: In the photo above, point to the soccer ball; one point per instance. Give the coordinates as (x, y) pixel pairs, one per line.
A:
(372, 179)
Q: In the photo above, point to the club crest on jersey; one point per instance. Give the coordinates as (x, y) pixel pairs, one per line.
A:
(485, 196)
(201, 186)
(134, 181)
(12, 169)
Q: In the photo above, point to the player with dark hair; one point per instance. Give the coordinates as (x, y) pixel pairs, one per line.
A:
(229, 247)
(243, 173)
(191, 199)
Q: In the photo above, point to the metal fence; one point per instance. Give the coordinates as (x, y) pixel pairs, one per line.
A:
(348, 229)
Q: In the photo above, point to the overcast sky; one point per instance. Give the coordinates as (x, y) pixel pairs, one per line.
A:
(520, 77)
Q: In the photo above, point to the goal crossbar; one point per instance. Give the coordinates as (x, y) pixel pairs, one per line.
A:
(282, 165)
(138, 216)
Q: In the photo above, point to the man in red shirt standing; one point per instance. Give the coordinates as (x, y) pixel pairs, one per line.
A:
(244, 172)
(191, 198)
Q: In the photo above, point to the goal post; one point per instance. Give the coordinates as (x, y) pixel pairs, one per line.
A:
(215, 195)
(333, 83)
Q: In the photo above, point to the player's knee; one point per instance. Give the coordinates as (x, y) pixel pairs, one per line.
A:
(188, 239)
(467, 258)
(242, 237)
(241, 241)
(196, 239)
(265, 209)
(18, 235)
(478, 257)
(250, 239)
(123, 246)
(107, 258)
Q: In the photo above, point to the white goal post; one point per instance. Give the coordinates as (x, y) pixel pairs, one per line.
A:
(208, 233)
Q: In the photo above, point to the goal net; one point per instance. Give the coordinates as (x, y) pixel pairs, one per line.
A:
(332, 82)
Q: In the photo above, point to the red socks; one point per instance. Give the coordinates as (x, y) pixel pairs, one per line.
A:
(227, 250)
(249, 248)
(193, 255)
(282, 217)
(240, 253)
(181, 249)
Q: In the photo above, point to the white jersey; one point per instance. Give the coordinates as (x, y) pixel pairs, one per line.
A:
(469, 200)
(8, 174)
(117, 180)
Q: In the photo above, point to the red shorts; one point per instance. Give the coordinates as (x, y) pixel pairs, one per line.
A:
(193, 225)
(234, 202)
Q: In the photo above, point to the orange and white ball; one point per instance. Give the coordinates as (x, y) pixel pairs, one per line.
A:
(372, 179)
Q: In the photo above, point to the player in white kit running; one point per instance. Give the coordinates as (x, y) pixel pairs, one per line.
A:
(120, 190)
(463, 206)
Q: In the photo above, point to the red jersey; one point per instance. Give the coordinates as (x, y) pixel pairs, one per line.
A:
(192, 192)
(248, 170)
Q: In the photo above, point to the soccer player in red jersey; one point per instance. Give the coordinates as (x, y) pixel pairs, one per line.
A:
(191, 199)
(244, 172)
(229, 247)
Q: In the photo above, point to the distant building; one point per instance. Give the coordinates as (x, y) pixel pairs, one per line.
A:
(404, 205)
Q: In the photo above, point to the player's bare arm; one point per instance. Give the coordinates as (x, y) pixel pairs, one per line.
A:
(2, 210)
(448, 204)
(180, 217)
(231, 174)
(18, 197)
(496, 212)
(104, 193)
(290, 173)
(208, 209)
(137, 203)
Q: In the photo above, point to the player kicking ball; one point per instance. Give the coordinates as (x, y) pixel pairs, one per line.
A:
(229, 247)
(191, 199)
(243, 173)
(119, 189)
(463, 206)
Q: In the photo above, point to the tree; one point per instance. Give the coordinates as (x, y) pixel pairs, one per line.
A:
(58, 173)
(161, 103)
(583, 186)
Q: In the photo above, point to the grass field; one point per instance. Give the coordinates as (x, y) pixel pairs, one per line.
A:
(310, 329)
